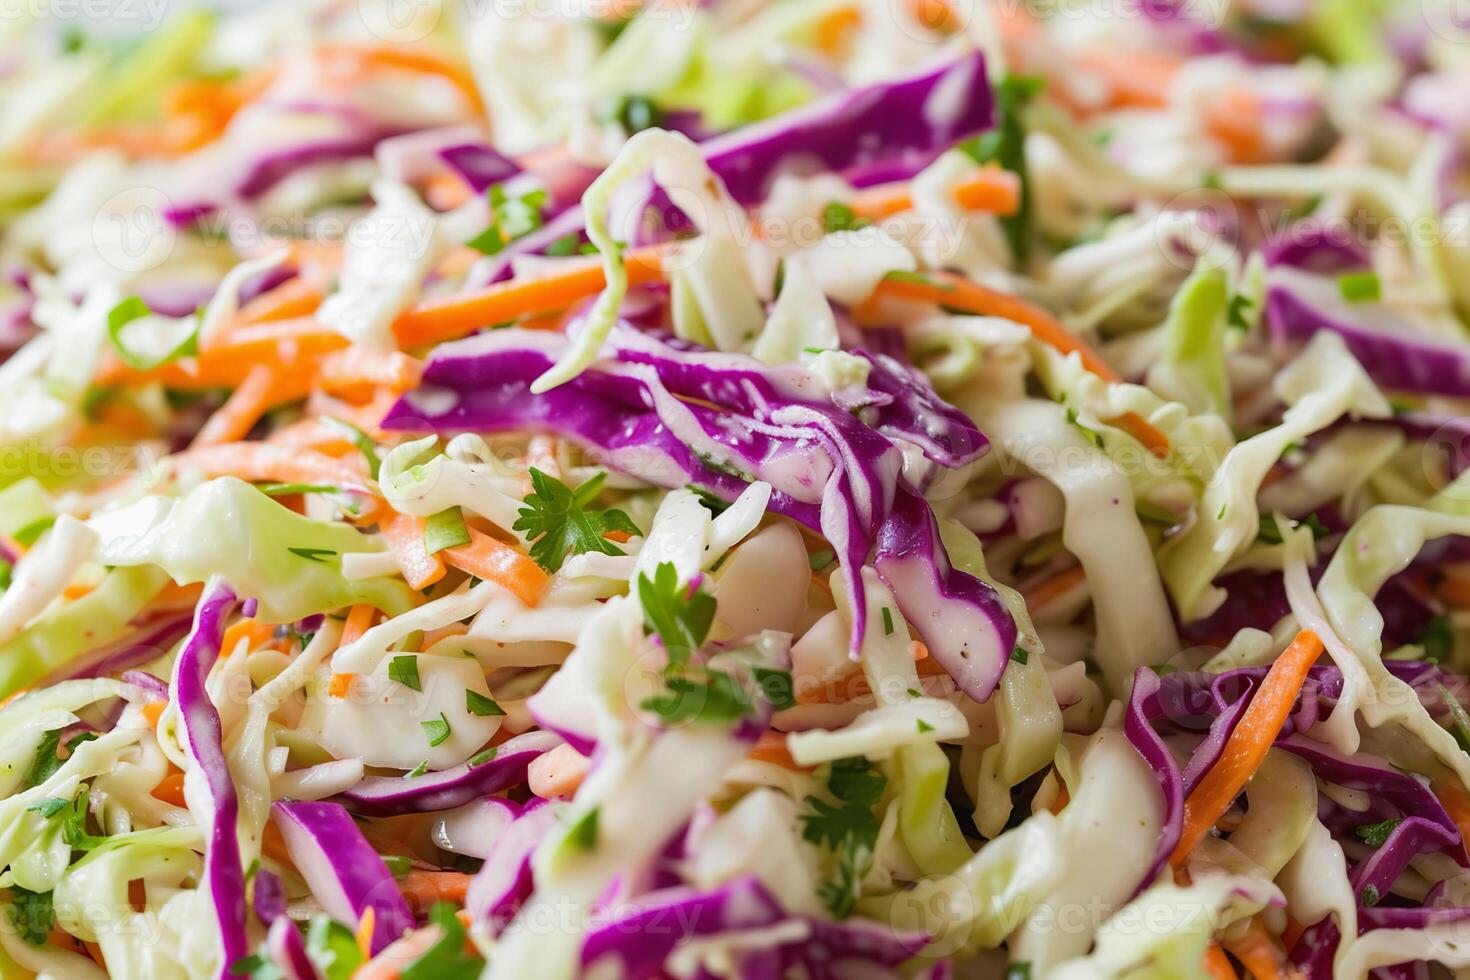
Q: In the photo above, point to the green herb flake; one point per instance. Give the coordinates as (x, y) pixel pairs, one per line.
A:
(131, 310)
(32, 914)
(483, 756)
(924, 726)
(1020, 656)
(405, 670)
(436, 730)
(1360, 287)
(311, 554)
(887, 621)
(477, 704)
(847, 828)
(333, 949)
(1374, 834)
(837, 216)
(582, 834)
(819, 560)
(559, 520)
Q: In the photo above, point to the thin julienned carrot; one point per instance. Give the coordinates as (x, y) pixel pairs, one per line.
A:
(1217, 965)
(260, 391)
(264, 462)
(431, 637)
(1141, 429)
(1052, 589)
(361, 59)
(170, 789)
(452, 317)
(255, 634)
(495, 561)
(1132, 77)
(405, 537)
(424, 888)
(1456, 802)
(362, 367)
(936, 15)
(446, 191)
(835, 27)
(1258, 952)
(390, 963)
(359, 620)
(340, 685)
(1248, 744)
(959, 293)
(1452, 586)
(296, 297)
(1059, 803)
(992, 189)
(771, 747)
(152, 711)
(1291, 933)
(364, 934)
(77, 589)
(1235, 120)
(558, 772)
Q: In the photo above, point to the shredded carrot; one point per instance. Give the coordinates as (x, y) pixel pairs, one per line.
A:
(558, 772)
(1456, 802)
(255, 633)
(1249, 743)
(771, 747)
(273, 846)
(432, 637)
(357, 60)
(957, 292)
(260, 391)
(1258, 952)
(340, 685)
(261, 461)
(451, 317)
(920, 650)
(296, 297)
(405, 536)
(446, 191)
(77, 589)
(1291, 933)
(1141, 429)
(835, 27)
(359, 620)
(992, 189)
(390, 963)
(359, 367)
(424, 888)
(1217, 965)
(1452, 586)
(495, 561)
(1132, 77)
(170, 788)
(152, 711)
(1062, 798)
(1052, 589)
(1235, 120)
(365, 932)
(936, 15)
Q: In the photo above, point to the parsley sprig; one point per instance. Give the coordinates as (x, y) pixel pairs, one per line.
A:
(848, 828)
(560, 522)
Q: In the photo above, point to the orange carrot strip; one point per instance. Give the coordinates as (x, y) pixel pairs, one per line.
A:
(957, 292)
(358, 367)
(424, 888)
(255, 633)
(359, 59)
(152, 711)
(405, 536)
(262, 390)
(170, 788)
(390, 963)
(771, 747)
(364, 934)
(1141, 429)
(340, 685)
(1132, 77)
(456, 316)
(260, 461)
(1235, 120)
(1217, 965)
(558, 772)
(359, 620)
(431, 637)
(495, 561)
(993, 190)
(297, 297)
(1258, 952)
(1249, 743)
(1456, 802)
(835, 27)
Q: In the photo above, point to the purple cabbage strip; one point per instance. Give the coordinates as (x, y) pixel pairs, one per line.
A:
(269, 900)
(1390, 350)
(1139, 729)
(201, 735)
(928, 111)
(381, 796)
(480, 164)
(150, 642)
(504, 882)
(288, 952)
(156, 687)
(628, 407)
(345, 874)
(636, 943)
